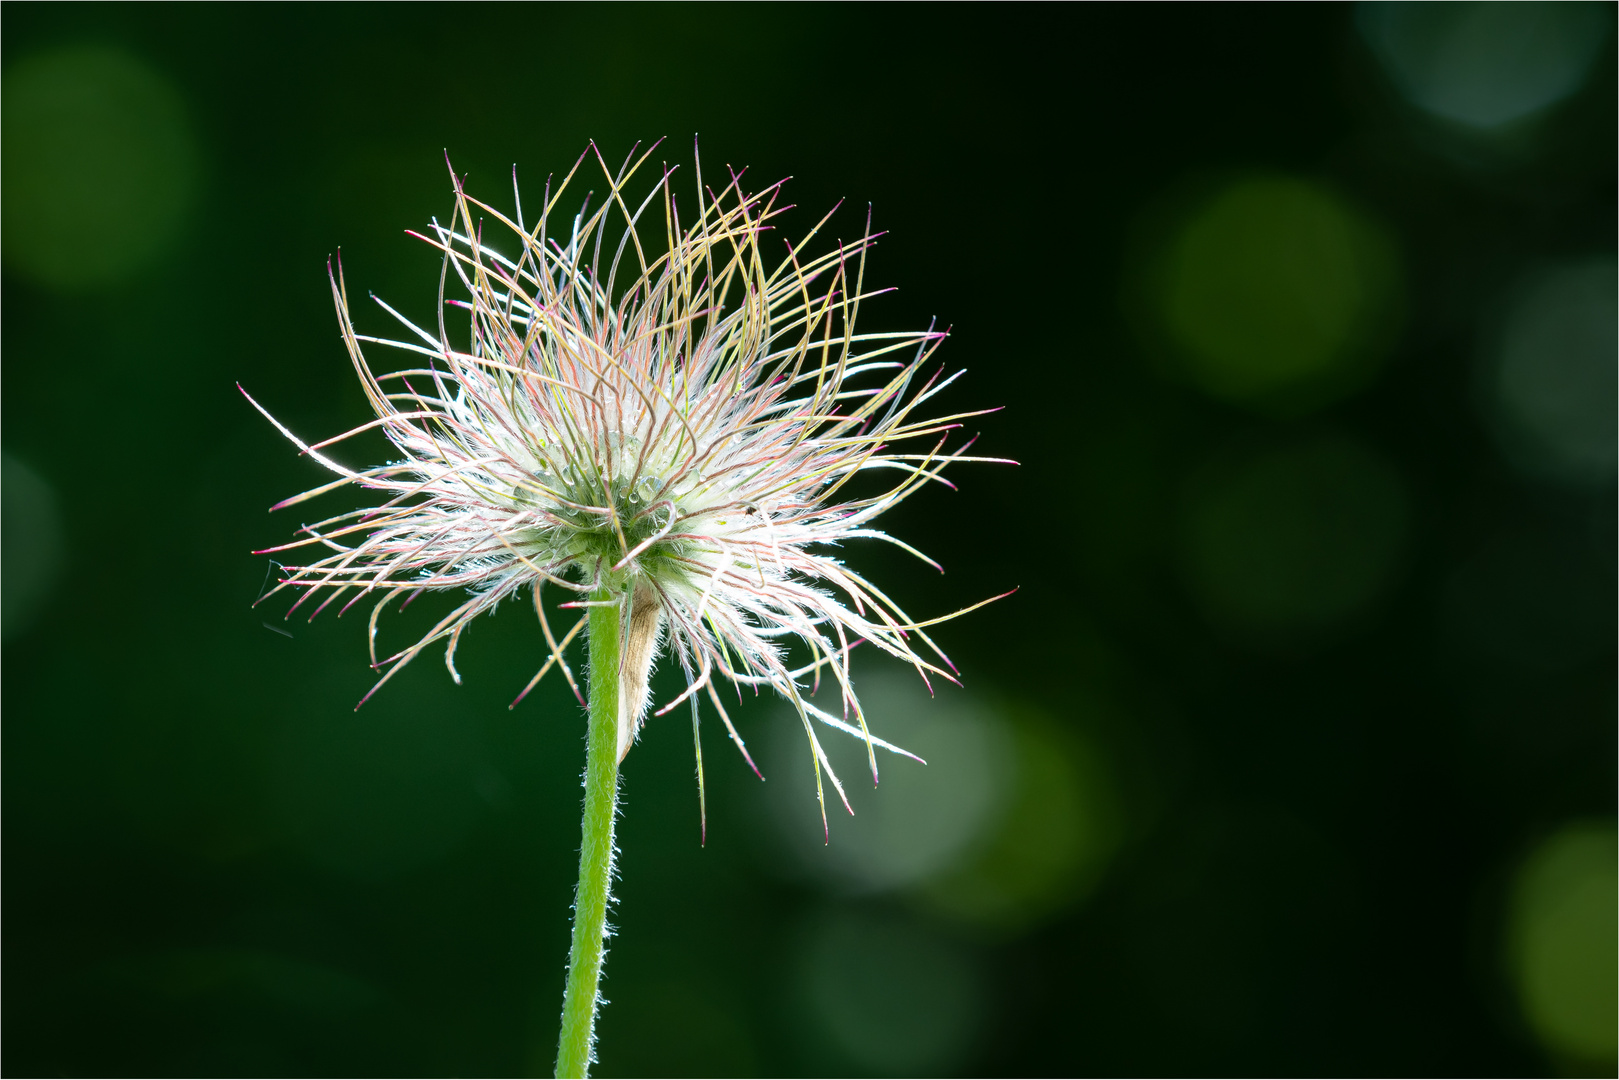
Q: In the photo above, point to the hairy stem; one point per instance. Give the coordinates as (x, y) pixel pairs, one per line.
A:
(578, 1039)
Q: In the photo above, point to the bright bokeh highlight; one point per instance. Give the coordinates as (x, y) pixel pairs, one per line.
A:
(1056, 828)
(920, 819)
(1012, 820)
(1486, 65)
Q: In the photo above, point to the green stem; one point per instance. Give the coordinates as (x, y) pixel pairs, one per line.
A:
(590, 900)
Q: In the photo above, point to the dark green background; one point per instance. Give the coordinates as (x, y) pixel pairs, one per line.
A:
(1315, 838)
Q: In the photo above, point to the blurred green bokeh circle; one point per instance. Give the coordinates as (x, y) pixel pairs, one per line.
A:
(1276, 292)
(1552, 378)
(1564, 942)
(31, 545)
(1057, 828)
(1296, 538)
(100, 165)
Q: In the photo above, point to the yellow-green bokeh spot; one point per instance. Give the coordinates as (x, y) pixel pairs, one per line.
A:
(1564, 944)
(1277, 293)
(1293, 539)
(100, 166)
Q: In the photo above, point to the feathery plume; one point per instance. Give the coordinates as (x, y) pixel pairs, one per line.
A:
(658, 419)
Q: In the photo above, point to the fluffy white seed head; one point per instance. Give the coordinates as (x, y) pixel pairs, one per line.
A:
(660, 418)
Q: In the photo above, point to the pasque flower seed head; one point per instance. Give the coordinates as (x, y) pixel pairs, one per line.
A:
(661, 419)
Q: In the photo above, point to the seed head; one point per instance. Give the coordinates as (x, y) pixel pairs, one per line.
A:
(658, 419)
